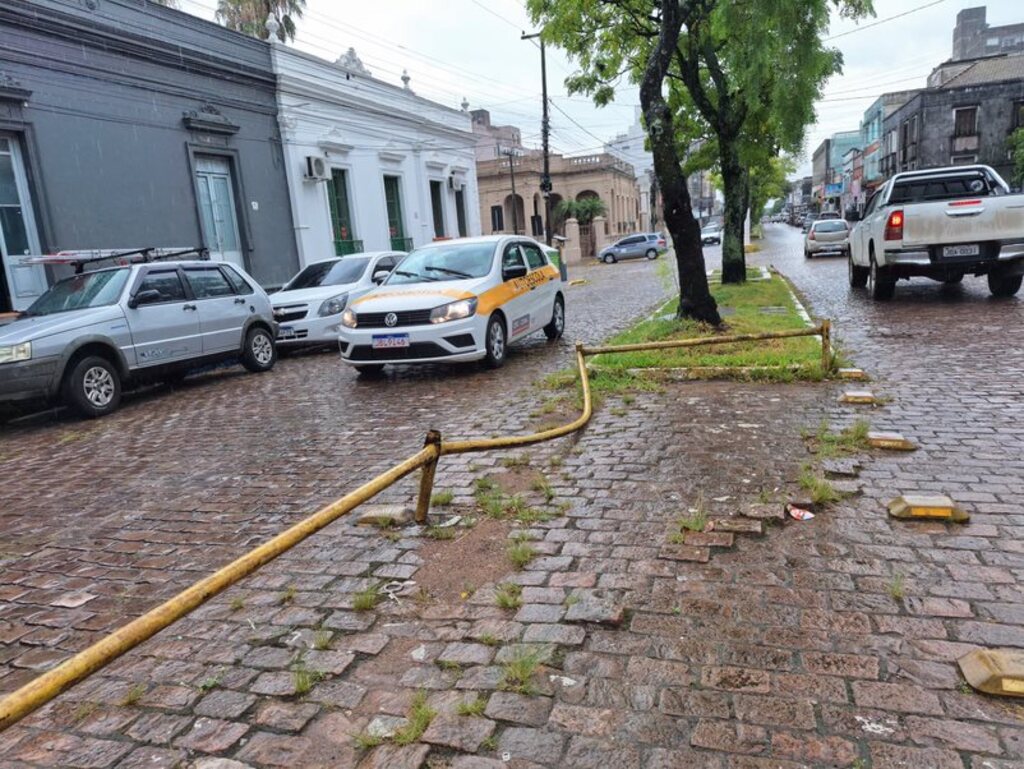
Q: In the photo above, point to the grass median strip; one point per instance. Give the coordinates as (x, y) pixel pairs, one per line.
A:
(754, 307)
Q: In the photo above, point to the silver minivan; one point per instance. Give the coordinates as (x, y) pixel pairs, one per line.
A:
(95, 332)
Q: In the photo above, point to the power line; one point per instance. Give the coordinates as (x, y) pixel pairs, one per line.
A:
(883, 21)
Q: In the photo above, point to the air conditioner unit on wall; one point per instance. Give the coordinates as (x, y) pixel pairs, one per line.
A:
(316, 169)
(455, 183)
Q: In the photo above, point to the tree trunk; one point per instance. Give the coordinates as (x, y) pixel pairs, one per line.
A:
(695, 300)
(734, 179)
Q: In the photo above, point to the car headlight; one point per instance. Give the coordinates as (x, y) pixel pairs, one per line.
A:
(15, 353)
(348, 319)
(333, 306)
(453, 311)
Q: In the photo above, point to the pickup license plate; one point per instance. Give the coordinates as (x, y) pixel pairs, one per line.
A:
(285, 332)
(390, 341)
(955, 251)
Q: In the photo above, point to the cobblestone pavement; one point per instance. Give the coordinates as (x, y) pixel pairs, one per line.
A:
(757, 645)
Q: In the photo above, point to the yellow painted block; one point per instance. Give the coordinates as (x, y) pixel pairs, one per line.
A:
(927, 506)
(579, 282)
(857, 396)
(853, 373)
(892, 441)
(995, 671)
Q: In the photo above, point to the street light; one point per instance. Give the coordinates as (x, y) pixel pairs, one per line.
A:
(545, 128)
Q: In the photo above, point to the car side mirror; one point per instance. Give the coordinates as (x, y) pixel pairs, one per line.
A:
(380, 276)
(148, 296)
(511, 273)
(853, 216)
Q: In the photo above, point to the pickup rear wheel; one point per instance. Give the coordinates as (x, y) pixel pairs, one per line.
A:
(858, 275)
(881, 284)
(1004, 285)
(92, 387)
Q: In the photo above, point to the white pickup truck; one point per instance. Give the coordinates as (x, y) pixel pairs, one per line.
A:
(942, 223)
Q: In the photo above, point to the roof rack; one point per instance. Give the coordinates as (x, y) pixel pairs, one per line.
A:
(119, 256)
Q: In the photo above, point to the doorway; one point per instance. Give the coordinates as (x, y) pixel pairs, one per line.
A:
(217, 209)
(22, 283)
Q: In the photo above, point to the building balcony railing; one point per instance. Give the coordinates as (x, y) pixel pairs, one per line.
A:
(346, 247)
(401, 244)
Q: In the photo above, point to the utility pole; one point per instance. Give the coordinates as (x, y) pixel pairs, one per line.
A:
(512, 174)
(545, 130)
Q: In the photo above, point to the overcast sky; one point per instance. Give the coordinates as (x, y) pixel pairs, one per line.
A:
(471, 48)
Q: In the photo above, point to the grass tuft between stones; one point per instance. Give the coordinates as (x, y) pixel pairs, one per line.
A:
(509, 596)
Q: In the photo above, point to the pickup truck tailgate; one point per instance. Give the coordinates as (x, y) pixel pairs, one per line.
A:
(968, 220)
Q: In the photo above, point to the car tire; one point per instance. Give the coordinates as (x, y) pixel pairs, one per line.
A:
(92, 387)
(260, 352)
(1004, 286)
(556, 327)
(807, 254)
(372, 370)
(858, 275)
(608, 259)
(881, 284)
(495, 342)
(652, 254)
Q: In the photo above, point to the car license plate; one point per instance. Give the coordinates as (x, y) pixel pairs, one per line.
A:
(390, 341)
(954, 251)
(285, 332)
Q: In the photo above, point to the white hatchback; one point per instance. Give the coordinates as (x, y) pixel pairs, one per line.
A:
(456, 300)
(308, 308)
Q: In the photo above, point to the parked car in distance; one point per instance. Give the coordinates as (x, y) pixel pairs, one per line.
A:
(807, 221)
(308, 307)
(95, 333)
(827, 237)
(646, 244)
(943, 224)
(711, 233)
(825, 215)
(455, 300)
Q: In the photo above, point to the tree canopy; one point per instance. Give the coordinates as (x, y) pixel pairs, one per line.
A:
(250, 16)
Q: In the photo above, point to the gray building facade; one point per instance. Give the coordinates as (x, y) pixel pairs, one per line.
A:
(973, 37)
(127, 124)
(967, 120)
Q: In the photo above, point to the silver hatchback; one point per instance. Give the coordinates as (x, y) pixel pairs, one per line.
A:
(647, 244)
(93, 333)
(827, 237)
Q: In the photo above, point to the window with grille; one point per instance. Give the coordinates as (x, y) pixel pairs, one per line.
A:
(965, 121)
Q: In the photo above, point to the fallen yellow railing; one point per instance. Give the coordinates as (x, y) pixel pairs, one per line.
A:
(39, 691)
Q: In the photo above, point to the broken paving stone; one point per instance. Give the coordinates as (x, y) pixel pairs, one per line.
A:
(848, 488)
(396, 757)
(385, 515)
(518, 708)
(464, 654)
(841, 468)
(709, 538)
(384, 727)
(597, 610)
(855, 374)
(685, 553)
(458, 732)
(765, 511)
(735, 525)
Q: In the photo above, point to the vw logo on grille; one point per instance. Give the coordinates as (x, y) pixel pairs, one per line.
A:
(390, 320)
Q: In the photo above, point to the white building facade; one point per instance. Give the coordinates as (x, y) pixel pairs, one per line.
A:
(371, 166)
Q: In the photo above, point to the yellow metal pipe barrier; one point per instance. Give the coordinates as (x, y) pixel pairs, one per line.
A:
(41, 690)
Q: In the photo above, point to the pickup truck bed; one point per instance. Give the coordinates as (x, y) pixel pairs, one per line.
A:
(942, 224)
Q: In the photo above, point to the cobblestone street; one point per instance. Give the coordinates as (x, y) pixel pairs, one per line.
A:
(758, 644)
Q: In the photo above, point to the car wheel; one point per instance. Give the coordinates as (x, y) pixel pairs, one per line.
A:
(608, 259)
(556, 327)
(93, 387)
(807, 254)
(858, 275)
(881, 284)
(495, 342)
(652, 254)
(260, 353)
(374, 369)
(1002, 286)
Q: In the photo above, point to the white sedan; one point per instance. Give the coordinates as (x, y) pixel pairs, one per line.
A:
(456, 300)
(308, 308)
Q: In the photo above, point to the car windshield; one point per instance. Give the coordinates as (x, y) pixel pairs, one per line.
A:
(830, 225)
(79, 292)
(331, 273)
(451, 261)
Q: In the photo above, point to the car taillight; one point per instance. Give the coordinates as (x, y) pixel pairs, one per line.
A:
(810, 235)
(894, 226)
